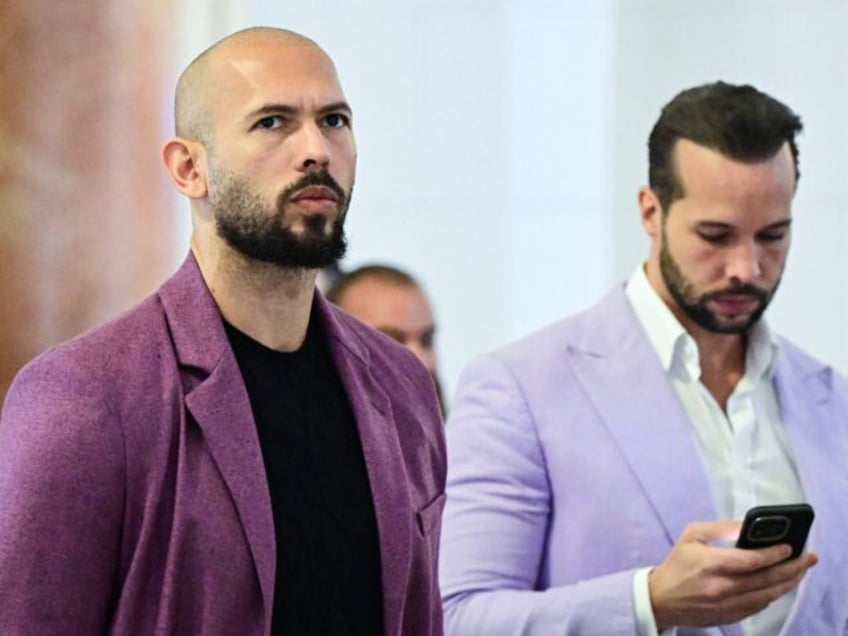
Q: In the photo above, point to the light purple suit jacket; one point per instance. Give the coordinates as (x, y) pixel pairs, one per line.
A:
(133, 496)
(571, 465)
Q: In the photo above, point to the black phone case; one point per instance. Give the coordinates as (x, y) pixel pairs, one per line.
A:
(798, 516)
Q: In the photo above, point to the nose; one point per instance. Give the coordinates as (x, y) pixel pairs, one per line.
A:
(743, 263)
(312, 147)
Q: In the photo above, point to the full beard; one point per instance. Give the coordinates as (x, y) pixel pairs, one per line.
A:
(244, 223)
(696, 307)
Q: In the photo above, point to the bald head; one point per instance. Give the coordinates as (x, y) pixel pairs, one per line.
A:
(200, 81)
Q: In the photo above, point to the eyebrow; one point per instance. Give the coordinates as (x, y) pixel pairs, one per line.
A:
(335, 107)
(286, 109)
(777, 226)
(719, 225)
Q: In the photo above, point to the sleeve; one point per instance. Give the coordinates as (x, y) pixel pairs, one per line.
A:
(496, 523)
(61, 505)
(647, 625)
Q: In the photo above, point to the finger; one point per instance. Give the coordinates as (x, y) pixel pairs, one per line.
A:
(744, 561)
(787, 571)
(783, 575)
(770, 591)
(801, 563)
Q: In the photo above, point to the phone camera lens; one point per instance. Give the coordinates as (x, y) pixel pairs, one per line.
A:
(769, 529)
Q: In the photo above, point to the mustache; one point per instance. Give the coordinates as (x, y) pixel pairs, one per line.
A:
(745, 289)
(319, 178)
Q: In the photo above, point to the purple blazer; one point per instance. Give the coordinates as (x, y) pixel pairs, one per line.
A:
(571, 465)
(133, 497)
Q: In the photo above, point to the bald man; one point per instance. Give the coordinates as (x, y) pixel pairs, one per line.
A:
(392, 301)
(234, 455)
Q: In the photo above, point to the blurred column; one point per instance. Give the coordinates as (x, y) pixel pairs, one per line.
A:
(85, 210)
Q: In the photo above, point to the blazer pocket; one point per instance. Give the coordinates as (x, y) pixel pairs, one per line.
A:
(430, 516)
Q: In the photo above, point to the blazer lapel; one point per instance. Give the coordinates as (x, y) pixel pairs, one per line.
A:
(383, 460)
(222, 410)
(218, 401)
(815, 428)
(620, 372)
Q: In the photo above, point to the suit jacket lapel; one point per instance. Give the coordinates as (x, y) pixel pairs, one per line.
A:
(620, 372)
(218, 401)
(383, 460)
(813, 424)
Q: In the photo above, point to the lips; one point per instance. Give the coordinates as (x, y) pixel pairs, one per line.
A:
(315, 193)
(318, 200)
(735, 304)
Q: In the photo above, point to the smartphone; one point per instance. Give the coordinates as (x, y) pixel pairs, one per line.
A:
(770, 525)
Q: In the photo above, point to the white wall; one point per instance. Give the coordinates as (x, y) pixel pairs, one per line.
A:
(502, 143)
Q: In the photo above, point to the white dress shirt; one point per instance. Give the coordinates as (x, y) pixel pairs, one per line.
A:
(744, 452)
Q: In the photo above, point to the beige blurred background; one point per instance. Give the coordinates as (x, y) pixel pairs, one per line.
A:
(84, 220)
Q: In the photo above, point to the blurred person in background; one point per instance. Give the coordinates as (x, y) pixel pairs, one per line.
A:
(392, 301)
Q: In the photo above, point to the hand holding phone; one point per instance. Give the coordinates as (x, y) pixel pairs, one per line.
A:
(771, 525)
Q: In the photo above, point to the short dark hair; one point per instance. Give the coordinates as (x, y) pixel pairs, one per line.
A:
(739, 122)
(385, 273)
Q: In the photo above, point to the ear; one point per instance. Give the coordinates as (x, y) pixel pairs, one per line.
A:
(183, 161)
(650, 211)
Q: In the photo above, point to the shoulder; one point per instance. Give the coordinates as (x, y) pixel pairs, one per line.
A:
(796, 367)
(62, 423)
(85, 378)
(96, 350)
(597, 329)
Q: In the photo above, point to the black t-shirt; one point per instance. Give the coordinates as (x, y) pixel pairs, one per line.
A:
(328, 558)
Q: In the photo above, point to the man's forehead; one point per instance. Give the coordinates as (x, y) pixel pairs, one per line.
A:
(258, 64)
(248, 80)
(275, 59)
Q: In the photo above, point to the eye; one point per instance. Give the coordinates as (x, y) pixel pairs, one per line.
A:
(270, 122)
(336, 120)
(772, 236)
(715, 237)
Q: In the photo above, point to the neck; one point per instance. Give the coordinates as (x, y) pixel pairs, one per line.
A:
(271, 304)
(722, 360)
